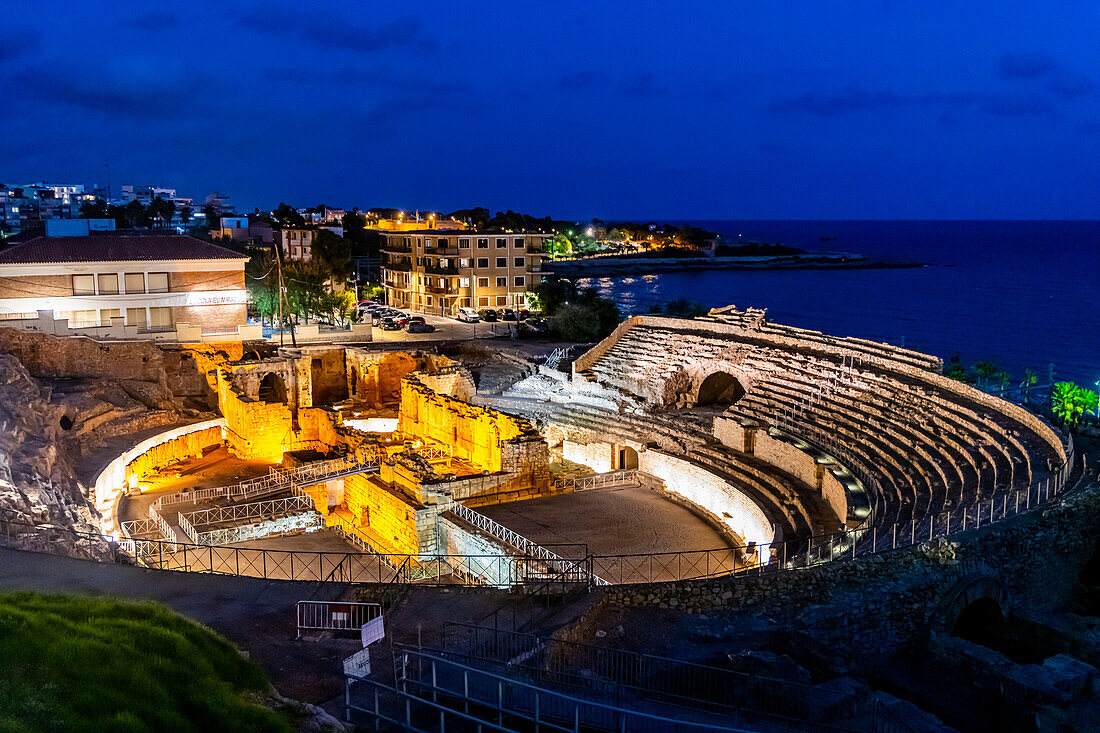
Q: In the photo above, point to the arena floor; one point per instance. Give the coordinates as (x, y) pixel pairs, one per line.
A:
(619, 521)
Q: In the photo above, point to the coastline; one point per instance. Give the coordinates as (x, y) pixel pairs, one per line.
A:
(628, 265)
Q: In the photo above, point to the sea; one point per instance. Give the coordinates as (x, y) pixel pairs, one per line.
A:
(1022, 294)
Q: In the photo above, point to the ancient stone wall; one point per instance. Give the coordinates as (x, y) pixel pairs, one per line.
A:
(785, 456)
(597, 456)
(475, 434)
(384, 519)
(77, 357)
(725, 504)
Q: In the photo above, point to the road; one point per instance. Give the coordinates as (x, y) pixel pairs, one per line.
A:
(446, 329)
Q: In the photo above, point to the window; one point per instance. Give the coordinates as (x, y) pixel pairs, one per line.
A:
(519, 243)
(464, 282)
(483, 282)
(502, 261)
(482, 301)
(519, 261)
(464, 262)
(463, 243)
(519, 281)
(135, 282)
(107, 314)
(83, 284)
(502, 282)
(428, 243)
(483, 244)
(501, 242)
(429, 300)
(482, 261)
(158, 282)
(160, 317)
(84, 318)
(135, 317)
(502, 300)
(108, 284)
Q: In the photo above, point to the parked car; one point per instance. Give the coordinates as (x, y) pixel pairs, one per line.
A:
(536, 325)
(469, 315)
(507, 314)
(523, 314)
(416, 324)
(389, 324)
(489, 315)
(400, 319)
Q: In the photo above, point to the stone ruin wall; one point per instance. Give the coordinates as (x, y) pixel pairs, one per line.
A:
(740, 333)
(781, 454)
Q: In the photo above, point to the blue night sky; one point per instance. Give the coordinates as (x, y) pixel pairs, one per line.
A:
(649, 110)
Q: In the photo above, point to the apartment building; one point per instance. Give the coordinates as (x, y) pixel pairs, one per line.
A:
(152, 281)
(296, 244)
(440, 271)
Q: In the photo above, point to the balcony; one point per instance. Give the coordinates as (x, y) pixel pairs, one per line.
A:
(438, 270)
(396, 247)
(435, 290)
(397, 266)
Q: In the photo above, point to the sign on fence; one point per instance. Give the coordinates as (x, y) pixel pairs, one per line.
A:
(372, 631)
(358, 664)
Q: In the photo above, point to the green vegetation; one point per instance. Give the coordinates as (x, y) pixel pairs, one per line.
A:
(575, 315)
(72, 663)
(1070, 402)
(684, 308)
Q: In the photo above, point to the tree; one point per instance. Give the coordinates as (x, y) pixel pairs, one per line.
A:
(552, 294)
(986, 371)
(185, 214)
(94, 210)
(1030, 378)
(136, 214)
(162, 210)
(684, 308)
(306, 285)
(210, 213)
(333, 254)
(286, 217)
(1069, 402)
(575, 322)
(262, 283)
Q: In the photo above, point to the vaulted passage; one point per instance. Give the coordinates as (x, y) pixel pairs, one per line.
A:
(272, 389)
(720, 388)
(982, 622)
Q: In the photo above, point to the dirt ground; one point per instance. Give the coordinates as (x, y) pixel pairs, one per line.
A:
(629, 520)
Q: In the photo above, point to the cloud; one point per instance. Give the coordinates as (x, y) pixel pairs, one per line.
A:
(137, 90)
(855, 100)
(153, 20)
(16, 44)
(1025, 65)
(1070, 86)
(337, 33)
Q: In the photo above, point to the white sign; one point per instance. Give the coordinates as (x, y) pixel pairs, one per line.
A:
(358, 664)
(372, 631)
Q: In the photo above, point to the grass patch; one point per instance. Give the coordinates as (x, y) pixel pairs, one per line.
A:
(74, 663)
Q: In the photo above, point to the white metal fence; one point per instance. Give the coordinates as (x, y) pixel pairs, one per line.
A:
(334, 615)
(526, 546)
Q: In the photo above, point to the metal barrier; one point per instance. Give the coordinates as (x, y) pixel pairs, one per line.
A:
(446, 687)
(334, 615)
(624, 477)
(558, 564)
(238, 513)
(620, 676)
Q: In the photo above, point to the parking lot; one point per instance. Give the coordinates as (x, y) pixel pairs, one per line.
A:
(447, 329)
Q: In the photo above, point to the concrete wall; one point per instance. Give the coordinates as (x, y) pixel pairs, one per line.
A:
(114, 480)
(597, 456)
(724, 502)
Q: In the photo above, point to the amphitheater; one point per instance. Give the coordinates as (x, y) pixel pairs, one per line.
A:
(782, 449)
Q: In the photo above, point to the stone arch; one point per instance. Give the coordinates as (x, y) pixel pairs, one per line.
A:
(719, 388)
(272, 389)
(974, 609)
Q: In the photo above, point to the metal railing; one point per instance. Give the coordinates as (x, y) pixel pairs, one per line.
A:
(334, 615)
(275, 480)
(620, 676)
(527, 547)
(623, 477)
(238, 513)
(511, 704)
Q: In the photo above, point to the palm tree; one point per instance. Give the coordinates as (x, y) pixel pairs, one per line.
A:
(1031, 377)
(986, 371)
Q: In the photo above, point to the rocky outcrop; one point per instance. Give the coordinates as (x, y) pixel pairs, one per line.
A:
(72, 399)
